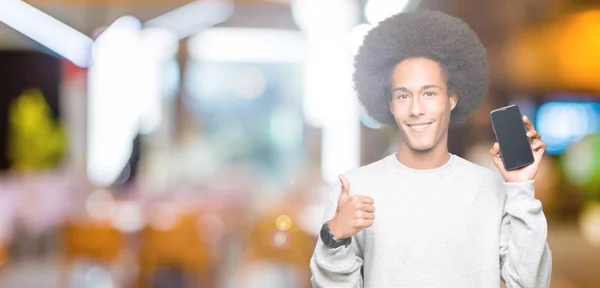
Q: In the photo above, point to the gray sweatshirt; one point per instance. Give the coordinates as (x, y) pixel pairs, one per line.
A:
(459, 225)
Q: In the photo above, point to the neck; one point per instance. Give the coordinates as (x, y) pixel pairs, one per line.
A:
(428, 159)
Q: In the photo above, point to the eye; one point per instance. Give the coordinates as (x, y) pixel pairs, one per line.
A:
(429, 94)
(402, 96)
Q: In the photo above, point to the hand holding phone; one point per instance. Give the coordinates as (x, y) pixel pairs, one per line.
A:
(519, 148)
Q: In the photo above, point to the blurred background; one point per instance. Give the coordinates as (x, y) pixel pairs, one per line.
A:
(178, 143)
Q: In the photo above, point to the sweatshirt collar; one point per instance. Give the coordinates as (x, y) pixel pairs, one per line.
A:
(395, 165)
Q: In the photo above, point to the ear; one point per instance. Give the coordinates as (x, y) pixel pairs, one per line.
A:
(453, 101)
(391, 107)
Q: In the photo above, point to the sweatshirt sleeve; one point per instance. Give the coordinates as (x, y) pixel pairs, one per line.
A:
(525, 257)
(339, 267)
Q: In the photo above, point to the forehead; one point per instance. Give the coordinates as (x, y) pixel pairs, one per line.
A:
(417, 72)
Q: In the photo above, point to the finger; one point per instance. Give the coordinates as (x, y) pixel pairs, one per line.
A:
(345, 187)
(528, 123)
(368, 208)
(538, 145)
(365, 200)
(365, 223)
(542, 147)
(368, 216)
(532, 135)
(495, 150)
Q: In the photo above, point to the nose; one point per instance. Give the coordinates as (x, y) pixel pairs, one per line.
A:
(417, 107)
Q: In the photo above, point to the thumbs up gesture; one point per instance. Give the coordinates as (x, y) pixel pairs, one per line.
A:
(353, 213)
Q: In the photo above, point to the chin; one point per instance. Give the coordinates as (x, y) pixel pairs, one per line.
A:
(420, 147)
(420, 140)
(418, 143)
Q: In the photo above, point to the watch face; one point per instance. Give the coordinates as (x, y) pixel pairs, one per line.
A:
(325, 237)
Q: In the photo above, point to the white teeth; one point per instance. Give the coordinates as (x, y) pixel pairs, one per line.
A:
(419, 127)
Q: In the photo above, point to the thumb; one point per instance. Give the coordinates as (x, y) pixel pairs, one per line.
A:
(495, 153)
(345, 193)
(495, 150)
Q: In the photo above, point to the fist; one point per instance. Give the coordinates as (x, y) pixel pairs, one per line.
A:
(353, 213)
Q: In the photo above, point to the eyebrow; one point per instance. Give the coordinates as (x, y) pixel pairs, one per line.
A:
(424, 87)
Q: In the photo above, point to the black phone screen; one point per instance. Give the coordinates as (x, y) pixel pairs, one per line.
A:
(509, 129)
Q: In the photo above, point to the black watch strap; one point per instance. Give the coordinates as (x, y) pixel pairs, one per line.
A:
(330, 241)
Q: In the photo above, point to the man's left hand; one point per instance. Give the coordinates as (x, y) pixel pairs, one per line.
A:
(528, 172)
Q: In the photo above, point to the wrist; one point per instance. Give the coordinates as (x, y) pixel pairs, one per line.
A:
(518, 176)
(517, 180)
(328, 237)
(334, 227)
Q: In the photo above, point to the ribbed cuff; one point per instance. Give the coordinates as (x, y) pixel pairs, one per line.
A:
(339, 258)
(519, 189)
(521, 198)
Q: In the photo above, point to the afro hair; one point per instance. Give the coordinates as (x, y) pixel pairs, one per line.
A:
(428, 34)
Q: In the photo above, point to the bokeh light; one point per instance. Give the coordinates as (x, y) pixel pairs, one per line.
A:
(283, 222)
(128, 217)
(280, 239)
(357, 36)
(251, 83)
(378, 10)
(100, 204)
(97, 277)
(590, 224)
(581, 163)
(563, 123)
(164, 216)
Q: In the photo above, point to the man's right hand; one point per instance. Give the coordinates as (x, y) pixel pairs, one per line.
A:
(353, 213)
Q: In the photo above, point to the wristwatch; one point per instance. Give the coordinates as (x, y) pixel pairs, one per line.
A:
(329, 241)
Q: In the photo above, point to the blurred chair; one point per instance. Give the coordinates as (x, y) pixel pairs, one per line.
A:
(276, 241)
(96, 241)
(178, 250)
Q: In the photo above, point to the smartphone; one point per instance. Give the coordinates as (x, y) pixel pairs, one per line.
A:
(510, 132)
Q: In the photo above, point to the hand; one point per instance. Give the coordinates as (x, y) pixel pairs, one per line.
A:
(353, 213)
(528, 172)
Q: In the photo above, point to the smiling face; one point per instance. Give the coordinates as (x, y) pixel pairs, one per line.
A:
(420, 103)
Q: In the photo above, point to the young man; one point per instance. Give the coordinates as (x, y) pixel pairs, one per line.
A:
(441, 220)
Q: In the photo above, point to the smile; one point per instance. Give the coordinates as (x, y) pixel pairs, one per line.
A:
(419, 127)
